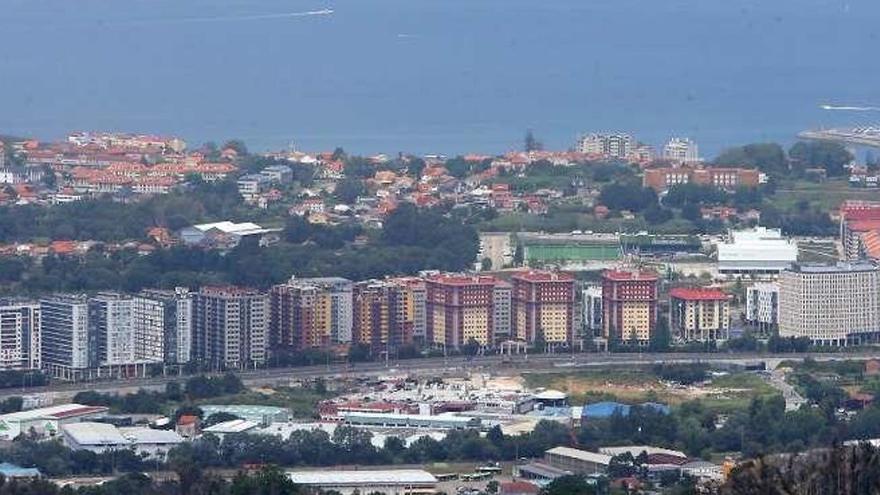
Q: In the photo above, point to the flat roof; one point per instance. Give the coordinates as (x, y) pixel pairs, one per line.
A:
(62, 411)
(842, 267)
(141, 435)
(543, 276)
(403, 417)
(699, 294)
(87, 433)
(232, 426)
(635, 450)
(362, 477)
(634, 275)
(581, 455)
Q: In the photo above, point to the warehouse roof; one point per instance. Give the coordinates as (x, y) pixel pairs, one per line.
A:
(55, 412)
(581, 455)
(232, 426)
(366, 477)
(88, 433)
(140, 435)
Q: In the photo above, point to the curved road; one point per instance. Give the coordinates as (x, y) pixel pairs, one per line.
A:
(439, 366)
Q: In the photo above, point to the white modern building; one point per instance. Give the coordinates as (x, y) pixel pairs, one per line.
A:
(111, 332)
(759, 251)
(225, 233)
(104, 437)
(45, 421)
(389, 482)
(592, 300)
(837, 305)
(392, 420)
(163, 326)
(19, 335)
(64, 335)
(681, 151)
(231, 427)
(762, 305)
(611, 145)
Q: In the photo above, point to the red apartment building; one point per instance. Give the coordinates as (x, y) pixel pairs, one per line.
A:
(629, 305)
(543, 304)
(661, 179)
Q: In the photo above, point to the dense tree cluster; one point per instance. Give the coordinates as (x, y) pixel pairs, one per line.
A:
(154, 402)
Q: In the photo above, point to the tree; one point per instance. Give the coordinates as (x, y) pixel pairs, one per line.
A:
(831, 156)
(486, 264)
(530, 143)
(348, 190)
(236, 145)
(767, 157)
(569, 485)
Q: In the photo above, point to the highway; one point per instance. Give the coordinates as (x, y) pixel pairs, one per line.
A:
(540, 363)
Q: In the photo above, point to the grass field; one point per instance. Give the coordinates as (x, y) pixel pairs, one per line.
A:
(826, 195)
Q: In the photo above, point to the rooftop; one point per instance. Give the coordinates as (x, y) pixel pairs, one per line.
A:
(140, 435)
(581, 455)
(543, 276)
(698, 294)
(636, 450)
(232, 426)
(54, 412)
(841, 267)
(635, 275)
(359, 478)
(87, 433)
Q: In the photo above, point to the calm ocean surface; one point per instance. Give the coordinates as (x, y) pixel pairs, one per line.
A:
(444, 76)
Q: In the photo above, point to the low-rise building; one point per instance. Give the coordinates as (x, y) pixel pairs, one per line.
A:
(45, 421)
(577, 461)
(104, 437)
(393, 420)
(759, 251)
(390, 481)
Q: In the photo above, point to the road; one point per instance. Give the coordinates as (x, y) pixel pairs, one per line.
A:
(442, 366)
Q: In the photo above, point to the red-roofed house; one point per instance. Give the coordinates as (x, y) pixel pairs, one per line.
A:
(699, 314)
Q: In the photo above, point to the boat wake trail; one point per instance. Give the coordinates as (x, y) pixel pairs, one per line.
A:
(231, 18)
(849, 108)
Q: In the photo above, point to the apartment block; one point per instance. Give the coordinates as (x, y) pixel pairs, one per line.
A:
(64, 334)
(231, 327)
(380, 315)
(681, 151)
(860, 229)
(163, 326)
(19, 335)
(543, 306)
(414, 295)
(461, 308)
(312, 312)
(699, 314)
(836, 305)
(111, 333)
(592, 303)
(613, 145)
(762, 305)
(629, 305)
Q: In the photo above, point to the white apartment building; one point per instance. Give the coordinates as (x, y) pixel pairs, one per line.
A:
(19, 335)
(111, 329)
(681, 151)
(612, 145)
(592, 301)
(64, 334)
(836, 305)
(762, 305)
(163, 324)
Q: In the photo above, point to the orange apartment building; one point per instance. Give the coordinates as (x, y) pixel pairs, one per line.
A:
(461, 308)
(629, 305)
(543, 304)
(661, 179)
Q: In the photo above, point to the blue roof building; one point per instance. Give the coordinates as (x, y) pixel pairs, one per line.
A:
(605, 409)
(12, 471)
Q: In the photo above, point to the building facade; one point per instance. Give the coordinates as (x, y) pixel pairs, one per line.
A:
(661, 179)
(312, 312)
(629, 305)
(231, 327)
(461, 309)
(543, 306)
(681, 151)
(111, 332)
(380, 315)
(163, 326)
(592, 301)
(64, 334)
(836, 305)
(762, 306)
(19, 335)
(699, 314)
(759, 252)
(613, 145)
